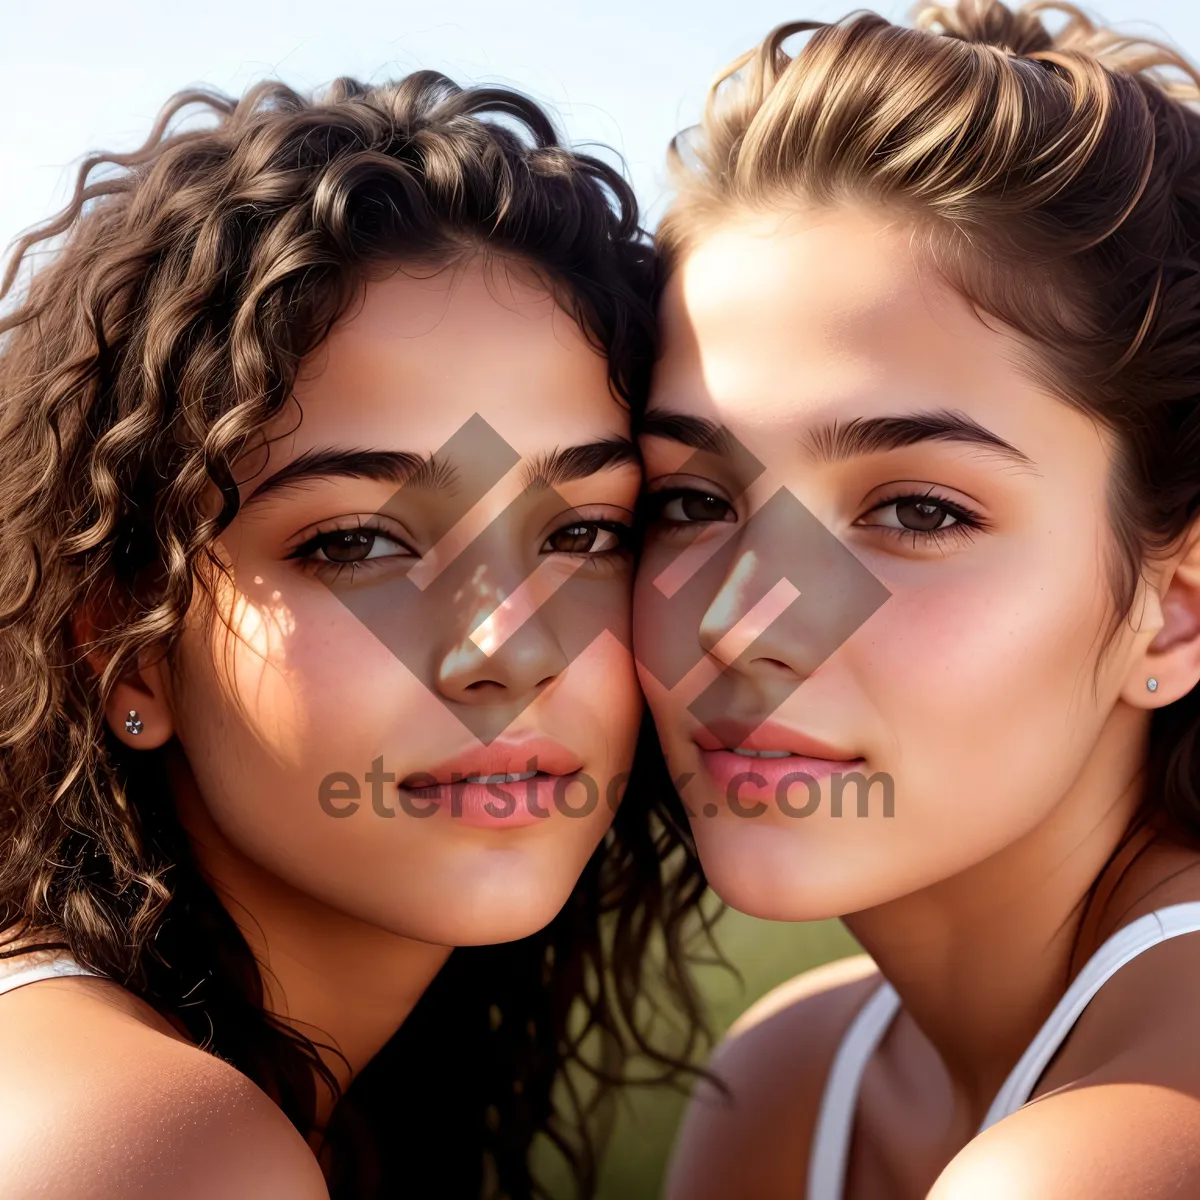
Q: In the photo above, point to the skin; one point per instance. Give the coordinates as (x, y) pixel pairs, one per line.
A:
(277, 683)
(989, 653)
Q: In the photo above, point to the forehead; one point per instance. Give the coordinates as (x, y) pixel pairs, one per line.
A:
(831, 294)
(797, 319)
(427, 349)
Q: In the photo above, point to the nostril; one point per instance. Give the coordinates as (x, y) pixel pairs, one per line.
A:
(776, 664)
(479, 684)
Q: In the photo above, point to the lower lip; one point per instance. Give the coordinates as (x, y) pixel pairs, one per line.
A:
(725, 767)
(515, 805)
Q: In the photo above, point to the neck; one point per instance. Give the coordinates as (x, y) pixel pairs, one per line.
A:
(979, 960)
(328, 975)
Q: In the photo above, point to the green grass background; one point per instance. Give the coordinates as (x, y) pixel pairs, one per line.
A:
(764, 953)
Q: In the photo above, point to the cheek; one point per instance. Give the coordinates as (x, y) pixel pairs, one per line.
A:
(666, 644)
(668, 710)
(979, 698)
(600, 687)
(287, 683)
(986, 688)
(289, 696)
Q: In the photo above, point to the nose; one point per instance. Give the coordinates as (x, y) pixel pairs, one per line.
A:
(790, 595)
(506, 654)
(745, 627)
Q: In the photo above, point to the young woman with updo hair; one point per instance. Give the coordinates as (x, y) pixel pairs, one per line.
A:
(939, 288)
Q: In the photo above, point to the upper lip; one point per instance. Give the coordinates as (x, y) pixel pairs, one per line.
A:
(507, 758)
(769, 735)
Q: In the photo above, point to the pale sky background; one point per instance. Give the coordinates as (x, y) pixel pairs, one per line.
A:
(78, 76)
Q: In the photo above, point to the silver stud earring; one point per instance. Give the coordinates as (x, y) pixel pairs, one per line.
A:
(1152, 684)
(133, 723)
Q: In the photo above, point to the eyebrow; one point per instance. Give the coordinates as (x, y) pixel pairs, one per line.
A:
(579, 462)
(834, 440)
(428, 471)
(696, 432)
(384, 466)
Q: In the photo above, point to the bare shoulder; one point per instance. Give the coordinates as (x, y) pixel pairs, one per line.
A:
(98, 1098)
(1105, 1142)
(752, 1139)
(1118, 1113)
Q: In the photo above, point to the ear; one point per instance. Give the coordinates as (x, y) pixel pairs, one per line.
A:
(138, 700)
(1172, 657)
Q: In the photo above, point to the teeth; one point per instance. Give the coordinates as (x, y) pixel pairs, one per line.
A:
(763, 753)
(518, 777)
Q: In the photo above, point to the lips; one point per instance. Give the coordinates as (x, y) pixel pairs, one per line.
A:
(762, 778)
(753, 764)
(484, 763)
(769, 738)
(507, 785)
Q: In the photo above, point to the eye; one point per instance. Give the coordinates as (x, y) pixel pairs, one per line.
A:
(686, 506)
(921, 516)
(342, 547)
(587, 537)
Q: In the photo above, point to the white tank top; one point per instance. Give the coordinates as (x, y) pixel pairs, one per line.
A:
(835, 1120)
(37, 965)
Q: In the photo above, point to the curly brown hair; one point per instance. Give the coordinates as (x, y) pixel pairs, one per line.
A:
(188, 281)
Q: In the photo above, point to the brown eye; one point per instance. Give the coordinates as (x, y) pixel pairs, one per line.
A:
(343, 546)
(923, 518)
(687, 507)
(922, 515)
(584, 538)
(350, 545)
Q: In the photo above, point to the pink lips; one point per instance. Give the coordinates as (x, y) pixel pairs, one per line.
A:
(759, 778)
(447, 790)
(749, 779)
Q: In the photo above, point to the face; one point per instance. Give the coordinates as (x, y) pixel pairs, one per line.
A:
(929, 615)
(427, 596)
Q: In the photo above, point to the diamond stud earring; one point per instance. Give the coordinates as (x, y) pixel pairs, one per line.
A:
(133, 723)
(1152, 684)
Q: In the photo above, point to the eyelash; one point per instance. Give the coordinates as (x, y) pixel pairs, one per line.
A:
(966, 522)
(306, 551)
(623, 532)
(655, 502)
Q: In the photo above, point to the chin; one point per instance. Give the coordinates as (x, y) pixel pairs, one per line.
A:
(773, 874)
(488, 914)
(483, 929)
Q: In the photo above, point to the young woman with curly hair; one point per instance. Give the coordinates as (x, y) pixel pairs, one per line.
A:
(316, 701)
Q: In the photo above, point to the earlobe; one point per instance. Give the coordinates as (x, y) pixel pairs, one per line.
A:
(137, 710)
